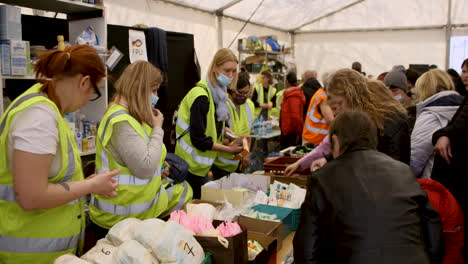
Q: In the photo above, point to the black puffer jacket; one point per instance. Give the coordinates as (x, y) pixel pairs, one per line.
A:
(363, 208)
(396, 139)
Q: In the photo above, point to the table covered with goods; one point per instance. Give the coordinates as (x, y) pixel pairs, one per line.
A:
(241, 218)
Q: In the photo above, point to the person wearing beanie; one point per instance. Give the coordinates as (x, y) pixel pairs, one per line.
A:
(397, 82)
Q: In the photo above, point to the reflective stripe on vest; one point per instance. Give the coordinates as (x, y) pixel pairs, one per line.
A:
(311, 113)
(187, 148)
(228, 161)
(249, 114)
(7, 193)
(21, 100)
(316, 130)
(182, 198)
(38, 245)
(124, 210)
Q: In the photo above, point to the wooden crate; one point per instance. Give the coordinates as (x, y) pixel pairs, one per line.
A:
(277, 166)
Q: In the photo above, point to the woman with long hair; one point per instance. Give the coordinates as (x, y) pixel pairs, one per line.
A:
(349, 90)
(131, 138)
(202, 117)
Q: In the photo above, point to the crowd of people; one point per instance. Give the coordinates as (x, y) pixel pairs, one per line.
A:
(358, 200)
(389, 154)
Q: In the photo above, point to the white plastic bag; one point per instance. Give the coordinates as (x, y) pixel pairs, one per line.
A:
(149, 231)
(131, 252)
(206, 210)
(102, 253)
(175, 244)
(70, 259)
(122, 231)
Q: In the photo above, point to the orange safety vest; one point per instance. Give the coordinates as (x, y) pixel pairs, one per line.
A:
(315, 125)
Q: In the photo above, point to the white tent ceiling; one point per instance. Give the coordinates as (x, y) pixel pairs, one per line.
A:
(327, 34)
(307, 15)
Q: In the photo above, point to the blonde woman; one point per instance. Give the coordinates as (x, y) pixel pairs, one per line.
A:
(349, 90)
(130, 137)
(438, 102)
(373, 98)
(202, 116)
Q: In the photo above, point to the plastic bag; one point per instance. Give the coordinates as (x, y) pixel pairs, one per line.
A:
(122, 231)
(102, 253)
(70, 259)
(229, 229)
(149, 231)
(88, 36)
(131, 252)
(206, 210)
(177, 244)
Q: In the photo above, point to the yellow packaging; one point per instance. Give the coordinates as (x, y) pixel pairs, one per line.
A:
(84, 145)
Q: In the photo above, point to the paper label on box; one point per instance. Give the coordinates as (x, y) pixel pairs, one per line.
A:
(18, 48)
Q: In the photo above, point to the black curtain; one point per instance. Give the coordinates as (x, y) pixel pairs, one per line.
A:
(183, 71)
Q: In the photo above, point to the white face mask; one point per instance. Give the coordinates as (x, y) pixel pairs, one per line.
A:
(399, 98)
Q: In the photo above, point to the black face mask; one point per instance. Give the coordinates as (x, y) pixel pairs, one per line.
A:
(239, 99)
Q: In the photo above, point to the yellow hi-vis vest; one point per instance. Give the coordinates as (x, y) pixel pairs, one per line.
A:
(39, 236)
(241, 124)
(199, 161)
(271, 93)
(138, 198)
(279, 100)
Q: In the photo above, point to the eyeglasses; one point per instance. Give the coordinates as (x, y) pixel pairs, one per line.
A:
(97, 94)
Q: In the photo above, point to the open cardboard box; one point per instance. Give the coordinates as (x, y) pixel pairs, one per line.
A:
(234, 254)
(236, 188)
(269, 252)
(268, 228)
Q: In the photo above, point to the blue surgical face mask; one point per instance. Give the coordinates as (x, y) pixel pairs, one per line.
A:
(223, 80)
(154, 100)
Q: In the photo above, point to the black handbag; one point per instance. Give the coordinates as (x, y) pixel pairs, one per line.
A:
(178, 168)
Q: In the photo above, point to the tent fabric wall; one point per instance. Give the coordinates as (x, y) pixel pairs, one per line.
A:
(385, 14)
(377, 51)
(459, 12)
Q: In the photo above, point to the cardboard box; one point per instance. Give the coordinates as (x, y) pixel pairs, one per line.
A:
(289, 217)
(264, 227)
(6, 58)
(299, 180)
(17, 57)
(236, 188)
(270, 249)
(196, 201)
(234, 254)
(10, 22)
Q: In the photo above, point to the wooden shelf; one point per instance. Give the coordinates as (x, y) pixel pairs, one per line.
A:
(261, 52)
(18, 77)
(92, 152)
(60, 6)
